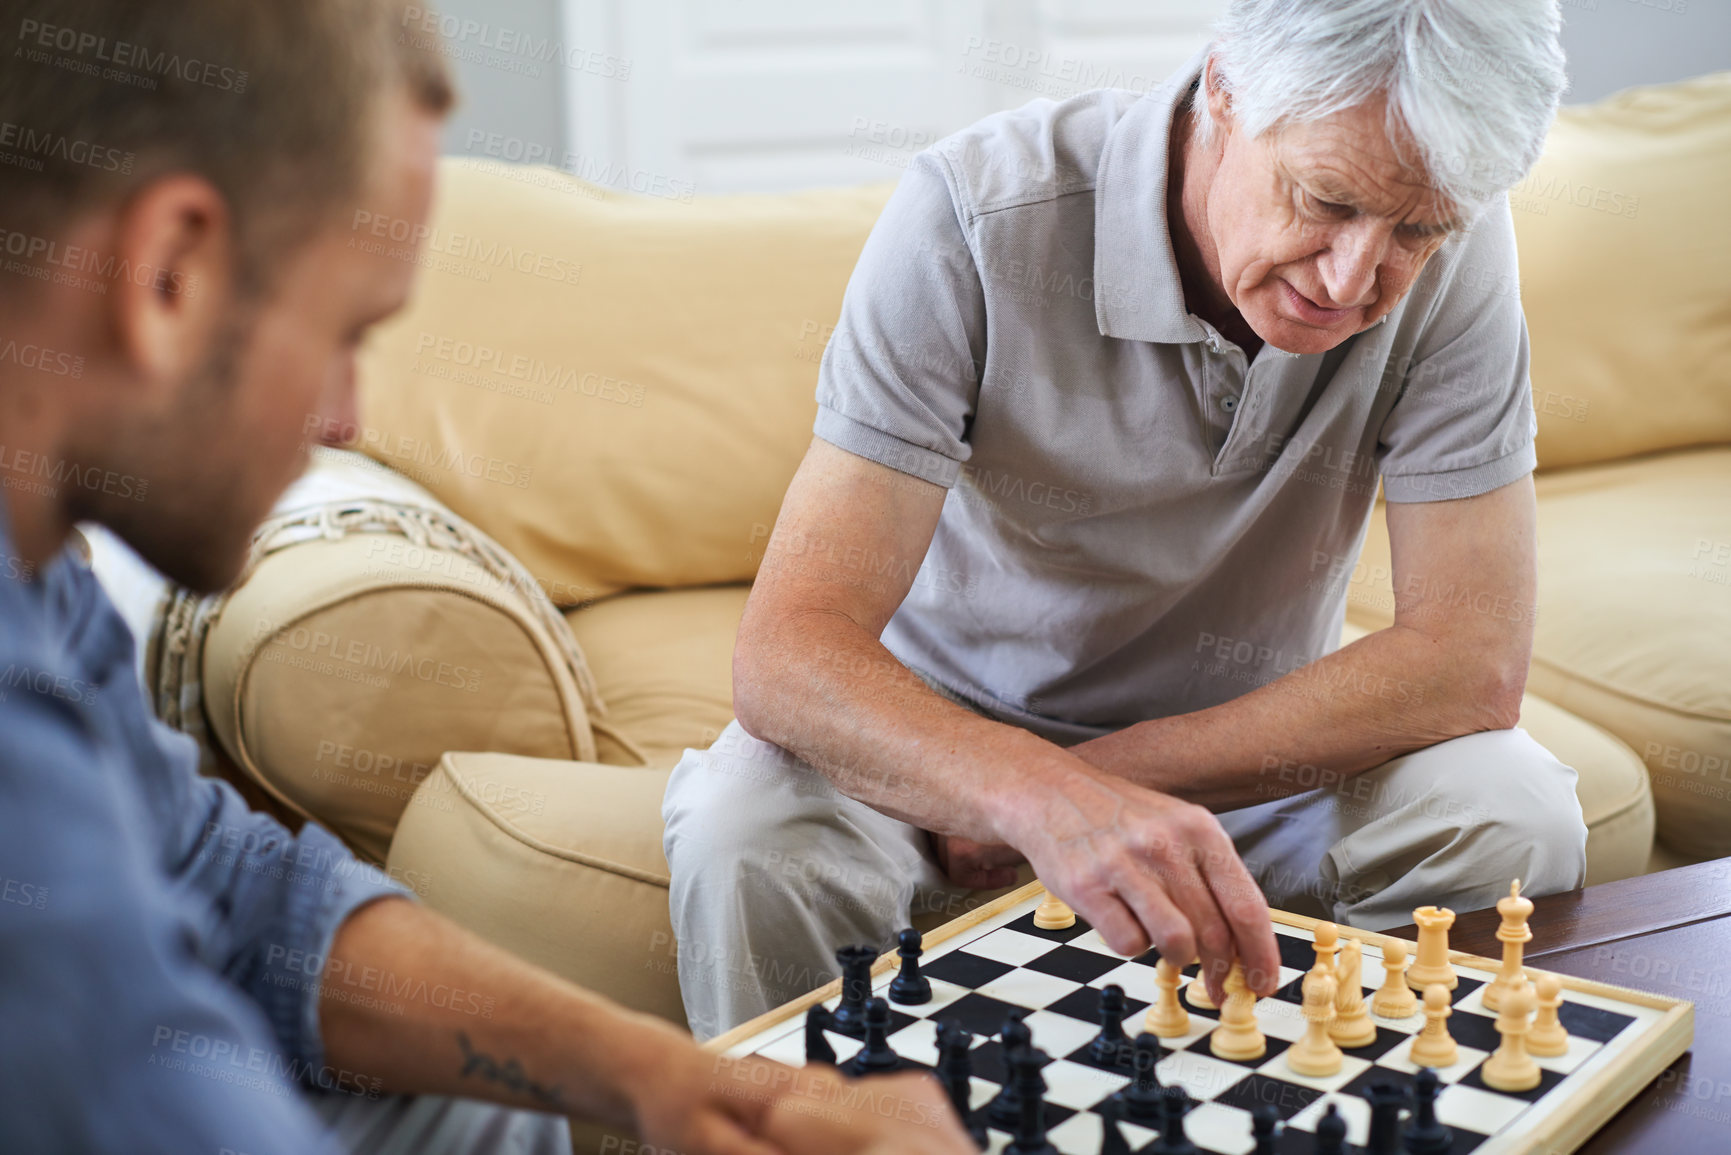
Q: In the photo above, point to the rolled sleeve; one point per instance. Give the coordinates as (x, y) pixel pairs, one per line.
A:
(1464, 423)
(901, 375)
(282, 898)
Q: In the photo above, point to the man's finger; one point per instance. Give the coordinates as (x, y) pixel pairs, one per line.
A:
(1124, 930)
(1209, 928)
(1160, 918)
(1245, 908)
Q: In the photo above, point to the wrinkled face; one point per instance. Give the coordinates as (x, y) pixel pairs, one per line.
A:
(278, 376)
(1318, 229)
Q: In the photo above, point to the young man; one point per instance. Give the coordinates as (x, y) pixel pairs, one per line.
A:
(1099, 431)
(178, 298)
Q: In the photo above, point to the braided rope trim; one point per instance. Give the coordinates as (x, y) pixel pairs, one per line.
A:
(187, 617)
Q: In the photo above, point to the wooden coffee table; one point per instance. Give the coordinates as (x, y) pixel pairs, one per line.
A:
(1668, 933)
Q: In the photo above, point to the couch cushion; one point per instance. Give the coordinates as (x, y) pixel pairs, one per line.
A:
(559, 862)
(1623, 237)
(1616, 802)
(1634, 610)
(375, 634)
(616, 388)
(663, 663)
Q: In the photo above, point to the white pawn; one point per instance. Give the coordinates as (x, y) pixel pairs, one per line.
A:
(1325, 943)
(1511, 1068)
(1548, 1036)
(1053, 914)
(1238, 1037)
(1435, 1047)
(1197, 994)
(1167, 1018)
(1315, 1055)
(1394, 999)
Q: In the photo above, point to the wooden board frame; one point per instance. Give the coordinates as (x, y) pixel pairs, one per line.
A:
(1577, 1118)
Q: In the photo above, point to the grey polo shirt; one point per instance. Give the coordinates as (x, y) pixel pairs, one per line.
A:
(1140, 522)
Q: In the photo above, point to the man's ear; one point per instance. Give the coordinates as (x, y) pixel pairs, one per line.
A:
(174, 248)
(1215, 93)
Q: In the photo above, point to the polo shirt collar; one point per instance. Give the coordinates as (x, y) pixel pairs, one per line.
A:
(1139, 296)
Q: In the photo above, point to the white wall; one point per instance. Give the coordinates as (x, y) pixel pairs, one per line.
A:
(1613, 44)
(683, 97)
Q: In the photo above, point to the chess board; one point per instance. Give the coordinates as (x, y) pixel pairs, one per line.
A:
(995, 960)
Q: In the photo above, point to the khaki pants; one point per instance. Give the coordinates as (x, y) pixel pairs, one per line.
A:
(773, 868)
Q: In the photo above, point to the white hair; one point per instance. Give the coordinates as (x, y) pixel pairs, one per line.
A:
(1472, 84)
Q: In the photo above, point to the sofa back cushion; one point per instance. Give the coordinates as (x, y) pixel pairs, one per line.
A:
(1624, 238)
(616, 388)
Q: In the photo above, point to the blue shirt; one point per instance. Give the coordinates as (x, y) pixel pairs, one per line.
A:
(160, 944)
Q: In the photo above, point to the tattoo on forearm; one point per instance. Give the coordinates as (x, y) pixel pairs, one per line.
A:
(508, 1074)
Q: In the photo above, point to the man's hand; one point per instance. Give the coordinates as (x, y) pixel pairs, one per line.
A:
(1146, 869)
(702, 1104)
(900, 1115)
(974, 865)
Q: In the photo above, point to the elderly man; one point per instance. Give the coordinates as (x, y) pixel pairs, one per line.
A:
(1099, 432)
(185, 296)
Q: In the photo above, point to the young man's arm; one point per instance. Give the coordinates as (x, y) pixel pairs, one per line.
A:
(510, 1032)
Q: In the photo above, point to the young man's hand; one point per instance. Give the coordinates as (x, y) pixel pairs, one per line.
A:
(698, 1103)
(900, 1115)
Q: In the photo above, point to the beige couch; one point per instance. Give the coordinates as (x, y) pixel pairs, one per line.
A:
(597, 401)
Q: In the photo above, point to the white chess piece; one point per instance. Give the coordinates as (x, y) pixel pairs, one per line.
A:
(1315, 1055)
(1548, 1037)
(1238, 1037)
(1167, 1018)
(1394, 999)
(1435, 1047)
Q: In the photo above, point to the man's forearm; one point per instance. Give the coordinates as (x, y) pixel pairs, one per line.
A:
(882, 735)
(1387, 694)
(421, 1005)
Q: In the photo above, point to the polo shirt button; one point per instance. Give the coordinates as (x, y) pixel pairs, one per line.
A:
(1229, 403)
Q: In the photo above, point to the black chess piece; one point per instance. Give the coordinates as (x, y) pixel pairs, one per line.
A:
(1111, 1047)
(910, 988)
(1386, 1102)
(876, 1057)
(1172, 1140)
(1015, 1037)
(1265, 1129)
(1330, 1133)
(1424, 1134)
(956, 1072)
(1112, 1141)
(1031, 1102)
(856, 988)
(817, 1048)
(1142, 1099)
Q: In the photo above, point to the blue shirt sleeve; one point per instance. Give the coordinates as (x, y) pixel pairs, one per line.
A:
(161, 946)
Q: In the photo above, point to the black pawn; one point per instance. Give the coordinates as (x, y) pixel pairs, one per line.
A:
(1142, 1099)
(1330, 1133)
(910, 988)
(876, 1057)
(1016, 1038)
(817, 1048)
(1386, 1101)
(1031, 1092)
(1112, 1141)
(956, 1072)
(1265, 1129)
(1172, 1139)
(1111, 1047)
(1424, 1135)
(856, 988)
